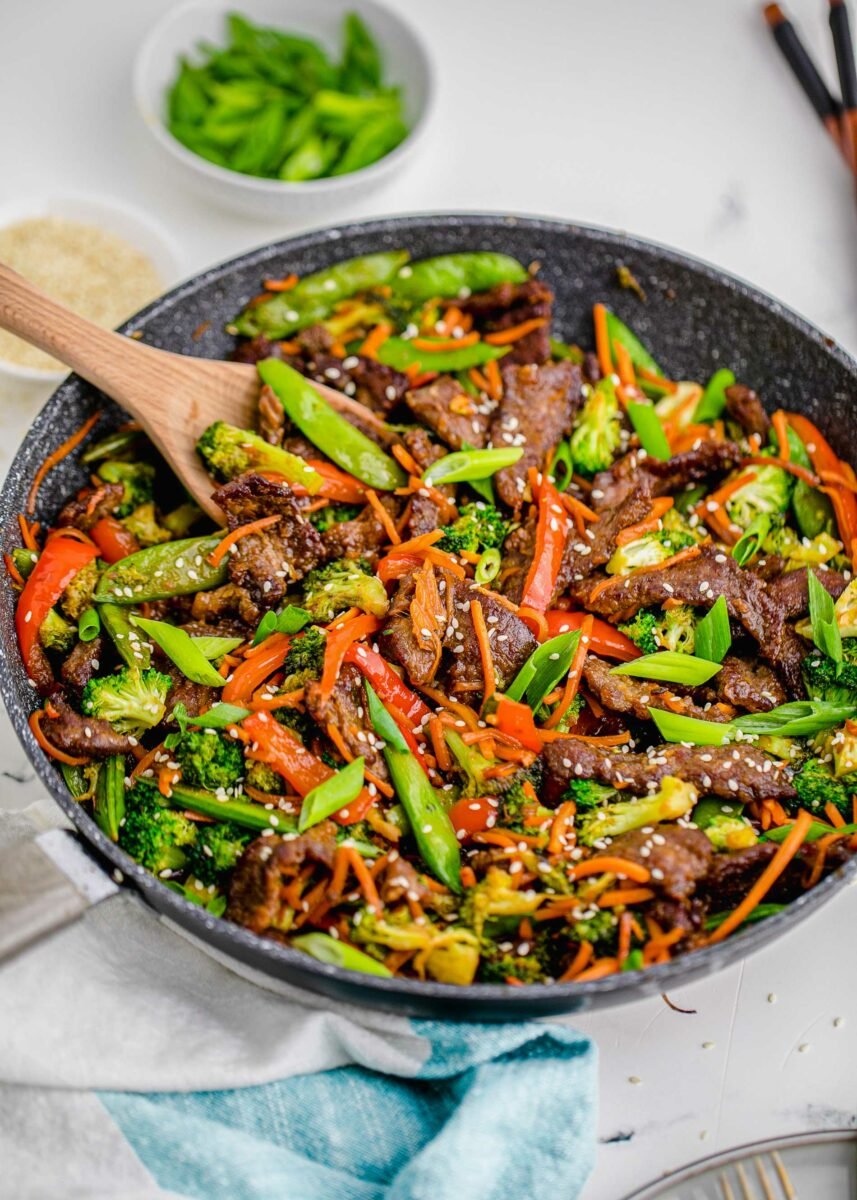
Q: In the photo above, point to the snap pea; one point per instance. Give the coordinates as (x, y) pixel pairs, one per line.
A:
(24, 560)
(159, 572)
(328, 950)
(618, 331)
(432, 828)
(456, 275)
(325, 428)
(713, 399)
(400, 353)
(132, 649)
(465, 465)
(812, 509)
(563, 350)
(78, 780)
(109, 809)
(331, 795)
(313, 297)
(291, 619)
(114, 445)
(181, 649)
(242, 812)
(372, 141)
(88, 625)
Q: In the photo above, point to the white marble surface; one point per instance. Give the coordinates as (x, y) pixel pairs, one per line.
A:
(673, 119)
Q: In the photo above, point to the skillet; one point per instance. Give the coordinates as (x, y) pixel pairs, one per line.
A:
(696, 319)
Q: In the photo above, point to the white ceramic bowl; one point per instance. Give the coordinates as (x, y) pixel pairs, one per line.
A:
(406, 63)
(108, 213)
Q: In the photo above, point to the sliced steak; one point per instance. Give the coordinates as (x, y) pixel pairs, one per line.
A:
(584, 554)
(748, 684)
(426, 513)
(266, 867)
(224, 603)
(362, 536)
(454, 416)
(611, 487)
(85, 736)
(345, 709)
(196, 697)
(537, 410)
(678, 858)
(790, 592)
(399, 641)
(731, 772)
(745, 408)
(511, 304)
(90, 505)
(624, 694)
(378, 387)
(82, 663)
(732, 874)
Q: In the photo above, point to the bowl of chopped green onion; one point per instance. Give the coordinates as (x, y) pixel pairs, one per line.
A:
(284, 109)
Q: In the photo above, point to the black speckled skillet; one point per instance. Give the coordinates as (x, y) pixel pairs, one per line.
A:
(696, 319)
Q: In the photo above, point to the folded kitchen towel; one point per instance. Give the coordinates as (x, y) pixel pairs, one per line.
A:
(154, 1071)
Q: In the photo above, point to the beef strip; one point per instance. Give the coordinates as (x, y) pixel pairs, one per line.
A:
(537, 410)
(266, 867)
(265, 563)
(790, 592)
(731, 772)
(345, 708)
(362, 536)
(748, 684)
(425, 513)
(40, 670)
(511, 304)
(82, 663)
(400, 880)
(436, 405)
(91, 504)
(272, 416)
(196, 697)
(624, 694)
(678, 858)
(745, 407)
(78, 735)
(611, 487)
(224, 603)
(731, 875)
(257, 348)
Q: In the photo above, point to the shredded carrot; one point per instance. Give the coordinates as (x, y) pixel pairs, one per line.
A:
(146, 761)
(14, 574)
(602, 863)
(290, 347)
(287, 799)
(367, 883)
(625, 896)
(581, 959)
(259, 662)
(660, 506)
(572, 682)
(405, 459)
(781, 429)
(604, 739)
(564, 817)
(833, 814)
(376, 339)
(536, 621)
(792, 467)
(383, 516)
(478, 380)
(438, 742)
(675, 560)
(435, 345)
(494, 380)
(599, 969)
(624, 366)
(28, 533)
(339, 875)
(262, 703)
(785, 853)
(468, 877)
(602, 340)
(728, 489)
(821, 847)
(223, 546)
(280, 285)
(514, 333)
(315, 506)
(57, 456)
(35, 723)
(666, 385)
(833, 477)
(167, 778)
(481, 630)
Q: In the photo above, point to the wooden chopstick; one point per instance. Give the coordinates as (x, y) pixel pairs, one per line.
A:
(840, 28)
(805, 71)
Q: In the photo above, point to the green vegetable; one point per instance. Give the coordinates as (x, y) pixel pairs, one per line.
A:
(116, 443)
(648, 550)
(617, 331)
(210, 760)
(137, 479)
(161, 572)
(642, 631)
(488, 567)
(153, 833)
(770, 492)
(213, 648)
(432, 828)
(674, 798)
(361, 60)
(565, 352)
(473, 766)
(336, 792)
(752, 540)
(543, 670)
(304, 661)
(291, 619)
(80, 781)
(180, 648)
(595, 438)
(337, 954)
(818, 829)
(817, 787)
(649, 429)
(799, 552)
(586, 793)
(713, 401)
(219, 716)
(801, 718)
(761, 912)
(479, 527)
(496, 965)
(79, 593)
(325, 428)
(712, 635)
(56, 634)
(676, 629)
(342, 584)
(143, 523)
(24, 560)
(216, 850)
(634, 961)
(334, 514)
(400, 353)
(132, 700)
(464, 465)
(228, 451)
(89, 625)
(670, 667)
(132, 649)
(456, 275)
(242, 812)
(109, 807)
(181, 520)
(562, 467)
(723, 824)
(314, 297)
(825, 631)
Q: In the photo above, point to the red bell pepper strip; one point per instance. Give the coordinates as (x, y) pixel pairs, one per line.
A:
(336, 484)
(516, 720)
(113, 540)
(824, 458)
(57, 565)
(394, 566)
(605, 638)
(551, 536)
(253, 672)
(390, 688)
(341, 635)
(471, 816)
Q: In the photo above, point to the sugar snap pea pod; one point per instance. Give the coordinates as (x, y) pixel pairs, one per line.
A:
(456, 275)
(78, 780)
(109, 809)
(401, 353)
(812, 509)
(713, 400)
(348, 447)
(159, 572)
(242, 812)
(113, 445)
(328, 950)
(371, 142)
(313, 297)
(432, 828)
(131, 647)
(618, 331)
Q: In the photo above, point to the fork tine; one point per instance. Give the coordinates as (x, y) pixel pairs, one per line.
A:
(746, 1190)
(763, 1180)
(726, 1187)
(785, 1181)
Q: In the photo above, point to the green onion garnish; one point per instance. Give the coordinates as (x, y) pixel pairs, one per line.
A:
(464, 465)
(562, 467)
(670, 666)
(822, 615)
(750, 542)
(713, 635)
(219, 716)
(543, 670)
(331, 795)
(88, 625)
(801, 718)
(649, 429)
(488, 567)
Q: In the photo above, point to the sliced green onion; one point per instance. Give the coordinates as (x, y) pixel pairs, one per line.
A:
(179, 648)
(649, 430)
(670, 666)
(822, 615)
(216, 647)
(562, 467)
(466, 465)
(713, 399)
(618, 331)
(482, 487)
(800, 718)
(265, 628)
(543, 670)
(759, 913)
(328, 950)
(88, 625)
(713, 635)
(750, 542)
(335, 793)
(817, 830)
(674, 727)
(219, 716)
(291, 619)
(634, 961)
(488, 567)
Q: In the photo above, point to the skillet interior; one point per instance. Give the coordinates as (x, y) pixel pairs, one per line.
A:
(696, 319)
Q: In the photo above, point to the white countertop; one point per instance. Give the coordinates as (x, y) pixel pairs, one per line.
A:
(675, 120)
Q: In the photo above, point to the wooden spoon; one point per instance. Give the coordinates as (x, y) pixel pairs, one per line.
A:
(173, 396)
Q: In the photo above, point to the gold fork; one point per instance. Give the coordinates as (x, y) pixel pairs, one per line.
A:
(782, 1189)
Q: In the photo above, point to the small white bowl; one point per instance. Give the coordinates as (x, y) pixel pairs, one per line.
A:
(406, 63)
(107, 213)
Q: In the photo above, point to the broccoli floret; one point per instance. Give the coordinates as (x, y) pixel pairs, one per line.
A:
(825, 679)
(24, 560)
(474, 766)
(299, 722)
(344, 583)
(143, 523)
(724, 824)
(217, 849)
(154, 834)
(571, 716)
(770, 492)
(479, 527)
(78, 595)
(137, 478)
(648, 550)
(533, 966)
(209, 759)
(494, 898)
(838, 747)
(674, 798)
(228, 451)
(333, 514)
(676, 629)
(55, 633)
(452, 954)
(519, 809)
(800, 552)
(182, 519)
(263, 778)
(586, 793)
(131, 700)
(304, 660)
(816, 786)
(601, 929)
(641, 630)
(597, 434)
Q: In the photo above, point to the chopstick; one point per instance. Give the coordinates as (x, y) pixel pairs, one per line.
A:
(843, 45)
(805, 70)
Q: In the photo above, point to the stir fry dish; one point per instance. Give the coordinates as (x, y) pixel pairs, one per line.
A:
(513, 662)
